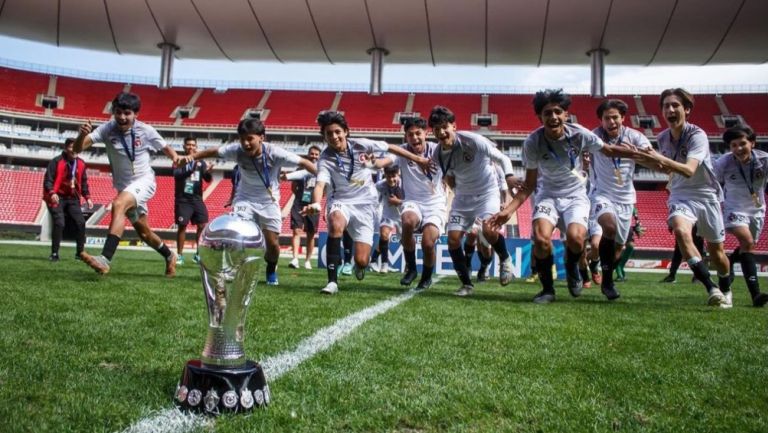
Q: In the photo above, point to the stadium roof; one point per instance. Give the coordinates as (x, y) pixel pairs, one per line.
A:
(476, 32)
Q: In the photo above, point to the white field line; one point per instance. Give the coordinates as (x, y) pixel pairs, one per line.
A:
(174, 421)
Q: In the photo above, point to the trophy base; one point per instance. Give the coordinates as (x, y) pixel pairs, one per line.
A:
(213, 390)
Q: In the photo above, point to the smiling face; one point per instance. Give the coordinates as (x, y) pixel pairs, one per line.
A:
(611, 122)
(553, 117)
(124, 118)
(313, 154)
(416, 138)
(674, 111)
(445, 133)
(741, 148)
(336, 137)
(251, 144)
(190, 147)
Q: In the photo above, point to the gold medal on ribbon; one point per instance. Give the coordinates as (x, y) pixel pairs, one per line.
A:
(755, 199)
(619, 179)
(269, 191)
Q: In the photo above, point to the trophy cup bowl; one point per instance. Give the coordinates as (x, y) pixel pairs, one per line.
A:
(231, 251)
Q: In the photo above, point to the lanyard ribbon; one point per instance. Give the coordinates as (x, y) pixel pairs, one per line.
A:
(750, 187)
(129, 150)
(443, 166)
(265, 178)
(72, 169)
(351, 162)
(571, 155)
(679, 142)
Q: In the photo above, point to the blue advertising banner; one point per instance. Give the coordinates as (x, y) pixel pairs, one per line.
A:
(519, 250)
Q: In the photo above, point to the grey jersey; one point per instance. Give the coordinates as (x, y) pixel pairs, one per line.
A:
(258, 173)
(734, 175)
(138, 141)
(423, 188)
(693, 143)
(351, 181)
(384, 191)
(602, 173)
(558, 160)
(469, 161)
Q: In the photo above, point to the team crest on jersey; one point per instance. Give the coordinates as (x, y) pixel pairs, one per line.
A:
(137, 142)
(469, 157)
(599, 207)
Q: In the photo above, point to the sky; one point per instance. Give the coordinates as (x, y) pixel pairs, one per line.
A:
(574, 79)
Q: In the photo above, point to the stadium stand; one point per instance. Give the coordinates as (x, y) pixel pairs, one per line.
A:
(22, 191)
(365, 111)
(225, 107)
(297, 108)
(462, 105)
(157, 105)
(19, 89)
(83, 98)
(515, 112)
(752, 107)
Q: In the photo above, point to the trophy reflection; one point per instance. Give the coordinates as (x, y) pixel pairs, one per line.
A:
(231, 251)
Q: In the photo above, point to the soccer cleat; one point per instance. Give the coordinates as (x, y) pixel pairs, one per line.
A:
(346, 269)
(359, 273)
(180, 260)
(373, 267)
(330, 289)
(668, 279)
(482, 273)
(715, 298)
(544, 297)
(99, 263)
(597, 278)
(574, 285)
(465, 290)
(272, 279)
(54, 257)
(294, 264)
(408, 278)
(308, 265)
(727, 300)
(424, 284)
(505, 271)
(384, 268)
(532, 279)
(196, 258)
(610, 292)
(170, 265)
(760, 300)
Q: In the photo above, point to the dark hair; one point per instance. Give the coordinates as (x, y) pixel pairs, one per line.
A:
(316, 147)
(391, 169)
(608, 104)
(550, 96)
(326, 118)
(683, 94)
(251, 126)
(737, 132)
(67, 142)
(440, 115)
(126, 101)
(410, 122)
(190, 138)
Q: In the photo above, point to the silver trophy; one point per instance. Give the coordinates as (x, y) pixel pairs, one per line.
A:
(231, 251)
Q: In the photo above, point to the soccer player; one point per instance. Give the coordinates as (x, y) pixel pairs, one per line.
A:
(390, 193)
(694, 196)
(189, 206)
(612, 194)
(552, 154)
(257, 195)
(346, 166)
(424, 206)
(468, 157)
(677, 256)
(744, 173)
(64, 184)
(629, 247)
(128, 142)
(302, 185)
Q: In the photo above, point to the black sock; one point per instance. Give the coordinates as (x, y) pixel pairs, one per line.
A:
(572, 263)
(607, 250)
(702, 274)
(485, 261)
(410, 260)
(593, 264)
(333, 254)
(733, 258)
(110, 246)
(749, 269)
(271, 267)
(426, 273)
(375, 256)
(584, 272)
(384, 251)
(724, 283)
(677, 259)
(500, 246)
(544, 268)
(469, 251)
(164, 251)
(80, 243)
(347, 248)
(460, 266)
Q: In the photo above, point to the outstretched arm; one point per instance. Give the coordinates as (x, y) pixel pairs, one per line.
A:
(83, 141)
(500, 218)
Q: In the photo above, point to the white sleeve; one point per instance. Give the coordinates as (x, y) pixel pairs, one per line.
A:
(229, 151)
(296, 175)
(100, 134)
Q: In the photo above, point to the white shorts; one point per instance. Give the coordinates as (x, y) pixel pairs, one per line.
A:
(755, 220)
(622, 214)
(142, 190)
(266, 215)
(572, 210)
(466, 209)
(434, 215)
(360, 219)
(390, 217)
(705, 214)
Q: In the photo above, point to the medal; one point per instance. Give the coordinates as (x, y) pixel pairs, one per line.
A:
(619, 180)
(357, 182)
(750, 186)
(755, 199)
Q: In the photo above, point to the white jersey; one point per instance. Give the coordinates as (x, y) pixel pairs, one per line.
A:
(469, 162)
(602, 173)
(351, 181)
(259, 176)
(425, 189)
(733, 175)
(501, 178)
(389, 211)
(693, 144)
(559, 162)
(135, 144)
